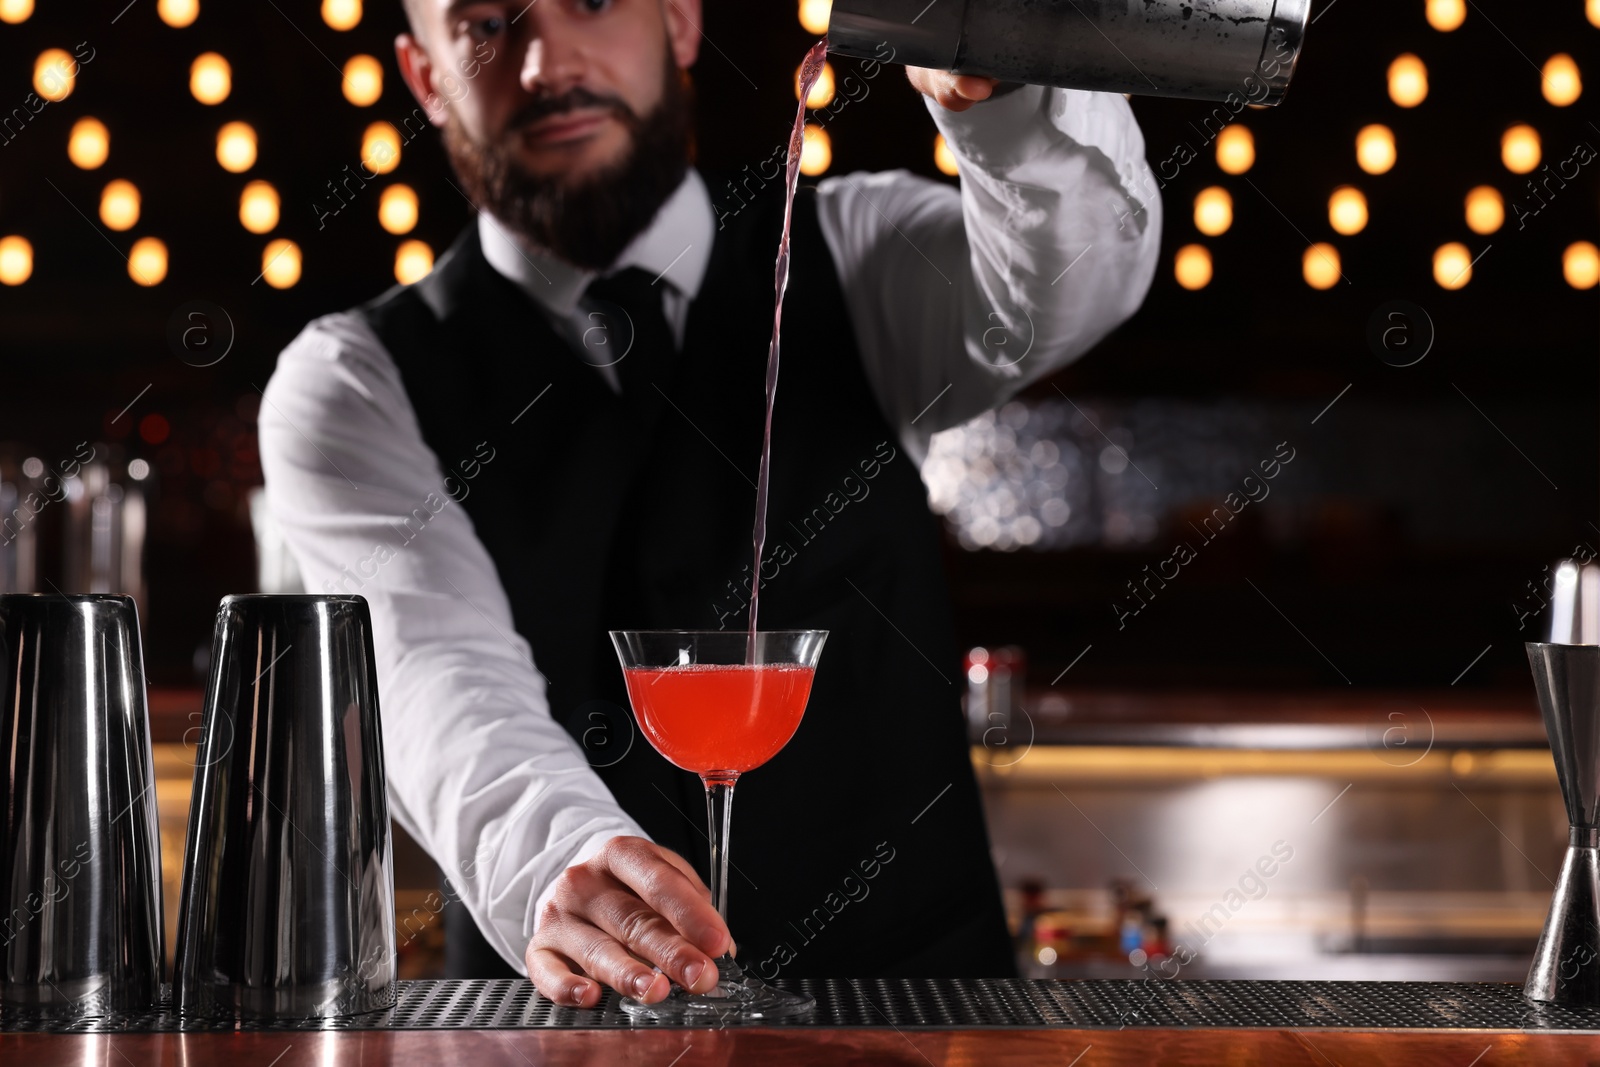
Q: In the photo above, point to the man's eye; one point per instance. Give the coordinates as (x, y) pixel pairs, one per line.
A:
(593, 6)
(485, 28)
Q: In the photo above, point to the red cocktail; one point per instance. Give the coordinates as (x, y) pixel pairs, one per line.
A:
(715, 719)
(719, 703)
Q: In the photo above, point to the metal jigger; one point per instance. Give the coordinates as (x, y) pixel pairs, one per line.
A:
(1566, 674)
(287, 910)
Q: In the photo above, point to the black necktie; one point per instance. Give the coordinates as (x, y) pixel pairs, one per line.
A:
(628, 331)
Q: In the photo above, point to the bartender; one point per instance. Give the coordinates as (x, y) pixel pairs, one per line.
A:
(556, 433)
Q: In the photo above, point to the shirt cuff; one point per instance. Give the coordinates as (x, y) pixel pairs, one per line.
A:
(1000, 134)
(997, 133)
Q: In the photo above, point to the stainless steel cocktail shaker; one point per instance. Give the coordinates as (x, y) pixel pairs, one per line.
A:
(1226, 50)
(80, 853)
(288, 880)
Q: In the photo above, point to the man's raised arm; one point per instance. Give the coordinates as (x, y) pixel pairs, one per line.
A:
(959, 300)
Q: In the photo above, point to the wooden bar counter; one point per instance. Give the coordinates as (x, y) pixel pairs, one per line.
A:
(790, 1048)
(983, 1023)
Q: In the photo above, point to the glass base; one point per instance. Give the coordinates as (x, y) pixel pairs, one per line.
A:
(737, 997)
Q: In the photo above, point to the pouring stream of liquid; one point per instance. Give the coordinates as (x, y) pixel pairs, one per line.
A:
(810, 70)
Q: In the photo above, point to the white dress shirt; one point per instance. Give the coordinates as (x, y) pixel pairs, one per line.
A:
(676, 249)
(957, 300)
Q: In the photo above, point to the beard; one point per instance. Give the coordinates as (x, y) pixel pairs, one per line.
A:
(586, 221)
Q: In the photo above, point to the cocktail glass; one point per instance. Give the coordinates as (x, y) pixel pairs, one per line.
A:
(720, 703)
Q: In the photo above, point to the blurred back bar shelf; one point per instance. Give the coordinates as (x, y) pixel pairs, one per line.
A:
(1401, 724)
(1404, 835)
(1422, 828)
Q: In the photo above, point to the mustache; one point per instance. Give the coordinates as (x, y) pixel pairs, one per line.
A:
(542, 107)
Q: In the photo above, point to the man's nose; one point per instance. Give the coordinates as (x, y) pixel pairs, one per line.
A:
(553, 62)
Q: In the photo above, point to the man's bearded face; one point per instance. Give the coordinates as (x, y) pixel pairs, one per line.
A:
(585, 218)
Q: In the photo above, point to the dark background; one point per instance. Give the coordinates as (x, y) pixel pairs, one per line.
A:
(1416, 525)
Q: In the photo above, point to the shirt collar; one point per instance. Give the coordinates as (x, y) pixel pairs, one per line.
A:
(676, 246)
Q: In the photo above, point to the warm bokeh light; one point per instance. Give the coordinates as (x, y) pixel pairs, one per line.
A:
(412, 262)
(89, 143)
(1236, 149)
(1580, 265)
(1519, 148)
(816, 152)
(1446, 15)
(821, 92)
(258, 207)
(1213, 211)
(1375, 151)
(1408, 81)
(1452, 265)
(814, 15)
(16, 260)
(54, 74)
(944, 158)
(397, 209)
(341, 15)
(380, 148)
(210, 78)
(1320, 266)
(236, 147)
(363, 80)
(119, 205)
(178, 13)
(147, 261)
(1347, 210)
(1592, 9)
(1192, 267)
(15, 11)
(1561, 81)
(280, 263)
(1486, 209)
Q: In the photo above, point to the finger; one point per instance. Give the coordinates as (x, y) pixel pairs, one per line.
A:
(950, 100)
(600, 955)
(693, 875)
(552, 975)
(954, 92)
(644, 932)
(938, 84)
(948, 91)
(688, 871)
(672, 895)
(973, 87)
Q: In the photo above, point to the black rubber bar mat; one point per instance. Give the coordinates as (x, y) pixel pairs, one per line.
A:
(951, 1004)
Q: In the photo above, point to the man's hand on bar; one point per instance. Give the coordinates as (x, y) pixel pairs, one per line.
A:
(633, 901)
(955, 92)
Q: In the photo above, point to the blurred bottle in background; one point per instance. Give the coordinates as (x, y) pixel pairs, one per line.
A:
(77, 524)
(995, 681)
(105, 529)
(1032, 891)
(19, 547)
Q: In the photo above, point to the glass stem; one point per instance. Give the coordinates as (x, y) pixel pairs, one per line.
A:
(719, 808)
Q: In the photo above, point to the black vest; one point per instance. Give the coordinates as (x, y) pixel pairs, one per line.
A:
(860, 849)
